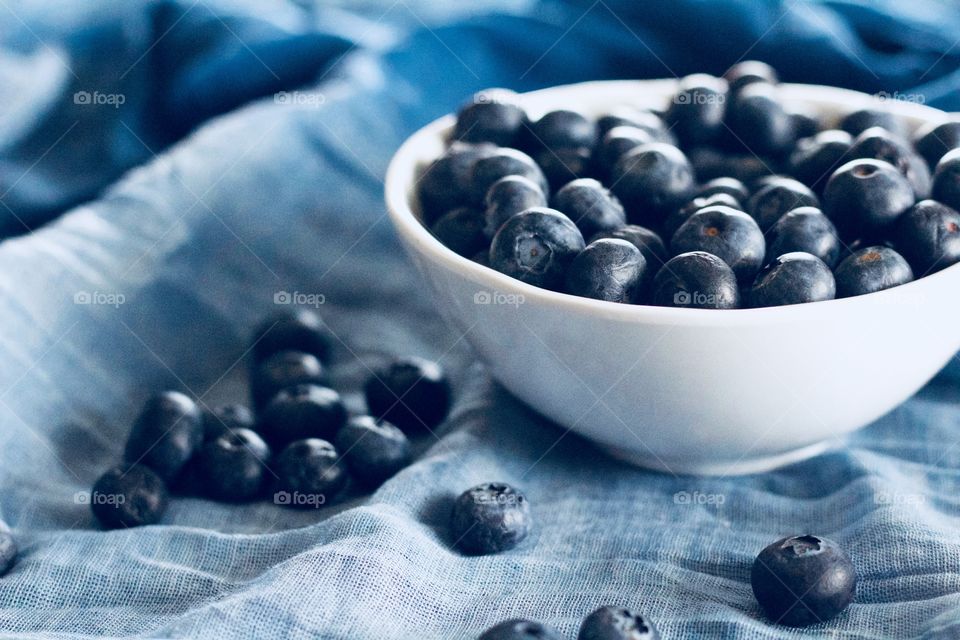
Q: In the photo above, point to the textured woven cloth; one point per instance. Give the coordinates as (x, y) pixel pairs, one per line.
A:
(173, 192)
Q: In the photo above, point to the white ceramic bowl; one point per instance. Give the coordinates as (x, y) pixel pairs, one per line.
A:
(687, 390)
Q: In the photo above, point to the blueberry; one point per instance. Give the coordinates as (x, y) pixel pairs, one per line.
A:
(676, 219)
(128, 496)
(302, 411)
(880, 144)
(928, 236)
(758, 121)
(698, 280)
(410, 392)
(933, 140)
(447, 182)
(519, 630)
(462, 231)
(649, 122)
(871, 269)
(166, 434)
(730, 186)
(492, 115)
(232, 466)
(696, 113)
(805, 123)
(509, 196)
(866, 196)
(226, 418)
(562, 129)
(651, 181)
(8, 551)
(946, 179)
(500, 164)
(374, 451)
(590, 205)
(616, 143)
(281, 370)
(709, 163)
(805, 229)
(856, 122)
(560, 166)
(608, 269)
(731, 235)
(749, 72)
(793, 278)
(815, 159)
(617, 623)
(803, 580)
(299, 330)
(536, 247)
(648, 242)
(778, 196)
(490, 518)
(310, 474)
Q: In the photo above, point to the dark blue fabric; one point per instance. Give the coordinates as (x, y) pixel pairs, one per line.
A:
(188, 191)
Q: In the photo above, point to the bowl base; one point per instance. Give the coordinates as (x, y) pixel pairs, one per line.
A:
(741, 467)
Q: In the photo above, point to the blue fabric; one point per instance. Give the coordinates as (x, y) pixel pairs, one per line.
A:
(182, 194)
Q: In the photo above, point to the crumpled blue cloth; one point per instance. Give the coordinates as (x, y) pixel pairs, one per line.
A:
(182, 162)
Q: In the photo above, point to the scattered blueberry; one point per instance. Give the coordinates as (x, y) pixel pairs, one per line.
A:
(519, 630)
(309, 473)
(490, 518)
(815, 159)
(302, 411)
(731, 235)
(856, 122)
(590, 206)
(8, 551)
(880, 144)
(462, 230)
(281, 370)
(803, 580)
(536, 247)
(871, 269)
(651, 181)
(301, 330)
(128, 496)
(779, 195)
(492, 115)
(698, 280)
(500, 164)
(412, 393)
(866, 196)
(608, 269)
(617, 623)
(166, 434)
(696, 113)
(509, 196)
(226, 418)
(648, 242)
(726, 185)
(934, 140)
(946, 179)
(676, 219)
(374, 451)
(232, 466)
(928, 236)
(447, 182)
(805, 229)
(793, 278)
(758, 121)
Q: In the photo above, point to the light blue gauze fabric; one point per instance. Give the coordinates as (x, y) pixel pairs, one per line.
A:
(169, 185)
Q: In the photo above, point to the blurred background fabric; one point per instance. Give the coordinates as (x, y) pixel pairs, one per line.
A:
(167, 167)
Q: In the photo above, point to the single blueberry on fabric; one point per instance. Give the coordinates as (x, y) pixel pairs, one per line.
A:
(778, 196)
(731, 235)
(935, 139)
(374, 450)
(226, 418)
(300, 330)
(232, 466)
(617, 623)
(814, 159)
(805, 229)
(536, 247)
(803, 580)
(697, 110)
(519, 630)
(871, 269)
(8, 551)
(447, 182)
(462, 231)
(507, 197)
(501, 163)
(166, 434)
(866, 196)
(651, 181)
(880, 144)
(928, 236)
(793, 278)
(282, 370)
(491, 115)
(591, 206)
(698, 280)
(302, 411)
(490, 518)
(128, 496)
(309, 474)
(608, 269)
(412, 393)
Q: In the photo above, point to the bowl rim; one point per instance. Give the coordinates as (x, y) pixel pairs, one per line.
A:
(403, 167)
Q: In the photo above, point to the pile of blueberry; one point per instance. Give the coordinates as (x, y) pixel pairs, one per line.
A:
(725, 199)
(300, 443)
